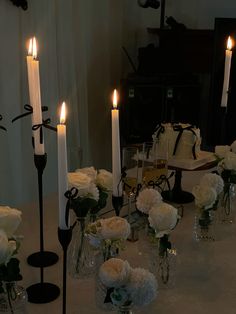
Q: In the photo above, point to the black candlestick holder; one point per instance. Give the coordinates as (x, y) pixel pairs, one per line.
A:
(42, 292)
(64, 237)
(117, 202)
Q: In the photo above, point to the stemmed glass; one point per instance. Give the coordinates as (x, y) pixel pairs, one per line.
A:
(154, 162)
(130, 159)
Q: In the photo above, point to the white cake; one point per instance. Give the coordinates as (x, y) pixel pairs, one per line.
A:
(180, 141)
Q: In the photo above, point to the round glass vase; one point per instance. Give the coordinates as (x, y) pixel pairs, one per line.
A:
(81, 254)
(226, 213)
(204, 225)
(13, 299)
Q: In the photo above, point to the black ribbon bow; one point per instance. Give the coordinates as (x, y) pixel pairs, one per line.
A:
(180, 129)
(159, 129)
(70, 195)
(2, 127)
(40, 126)
(29, 110)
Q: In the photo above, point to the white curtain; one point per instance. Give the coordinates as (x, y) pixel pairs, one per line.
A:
(80, 62)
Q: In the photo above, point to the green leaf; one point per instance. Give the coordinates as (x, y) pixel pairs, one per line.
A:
(101, 202)
(81, 206)
(11, 271)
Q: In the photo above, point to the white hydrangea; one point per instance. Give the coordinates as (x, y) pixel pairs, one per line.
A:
(163, 218)
(114, 228)
(205, 196)
(148, 198)
(104, 180)
(84, 184)
(222, 150)
(7, 248)
(114, 273)
(214, 181)
(90, 171)
(142, 287)
(10, 218)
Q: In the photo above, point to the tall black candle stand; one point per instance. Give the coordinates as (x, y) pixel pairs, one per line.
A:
(64, 237)
(117, 202)
(42, 292)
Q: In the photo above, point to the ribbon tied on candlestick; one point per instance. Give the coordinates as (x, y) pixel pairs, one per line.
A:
(180, 129)
(70, 195)
(2, 127)
(40, 126)
(29, 110)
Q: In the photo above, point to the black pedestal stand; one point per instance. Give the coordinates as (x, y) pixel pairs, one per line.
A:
(64, 237)
(117, 202)
(42, 292)
(177, 195)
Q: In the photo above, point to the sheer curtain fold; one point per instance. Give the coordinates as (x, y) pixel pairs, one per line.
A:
(80, 55)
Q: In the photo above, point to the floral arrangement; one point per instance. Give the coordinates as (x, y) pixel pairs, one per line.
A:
(227, 168)
(214, 181)
(125, 285)
(147, 198)
(10, 219)
(108, 234)
(93, 187)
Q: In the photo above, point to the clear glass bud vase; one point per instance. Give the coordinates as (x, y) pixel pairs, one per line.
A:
(204, 225)
(163, 262)
(81, 254)
(14, 298)
(125, 309)
(226, 212)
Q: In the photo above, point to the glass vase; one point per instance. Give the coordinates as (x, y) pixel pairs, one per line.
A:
(81, 254)
(125, 309)
(163, 263)
(14, 298)
(204, 225)
(226, 212)
(100, 296)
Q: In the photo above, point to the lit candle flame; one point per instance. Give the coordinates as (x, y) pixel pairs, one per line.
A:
(63, 113)
(229, 43)
(34, 49)
(115, 96)
(30, 50)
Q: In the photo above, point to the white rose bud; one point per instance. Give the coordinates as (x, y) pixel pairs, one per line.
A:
(104, 180)
(10, 218)
(7, 248)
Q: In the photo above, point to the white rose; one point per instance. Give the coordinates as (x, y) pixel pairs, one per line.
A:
(114, 273)
(229, 161)
(233, 147)
(10, 218)
(7, 248)
(148, 198)
(214, 181)
(163, 218)
(142, 287)
(205, 196)
(114, 228)
(104, 180)
(84, 184)
(90, 171)
(222, 150)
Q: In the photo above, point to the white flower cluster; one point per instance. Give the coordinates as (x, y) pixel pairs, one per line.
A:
(135, 286)
(10, 219)
(147, 198)
(162, 217)
(209, 189)
(88, 180)
(229, 162)
(114, 228)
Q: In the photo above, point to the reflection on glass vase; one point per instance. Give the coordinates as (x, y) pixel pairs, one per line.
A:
(163, 262)
(13, 299)
(81, 254)
(204, 226)
(226, 212)
(125, 309)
